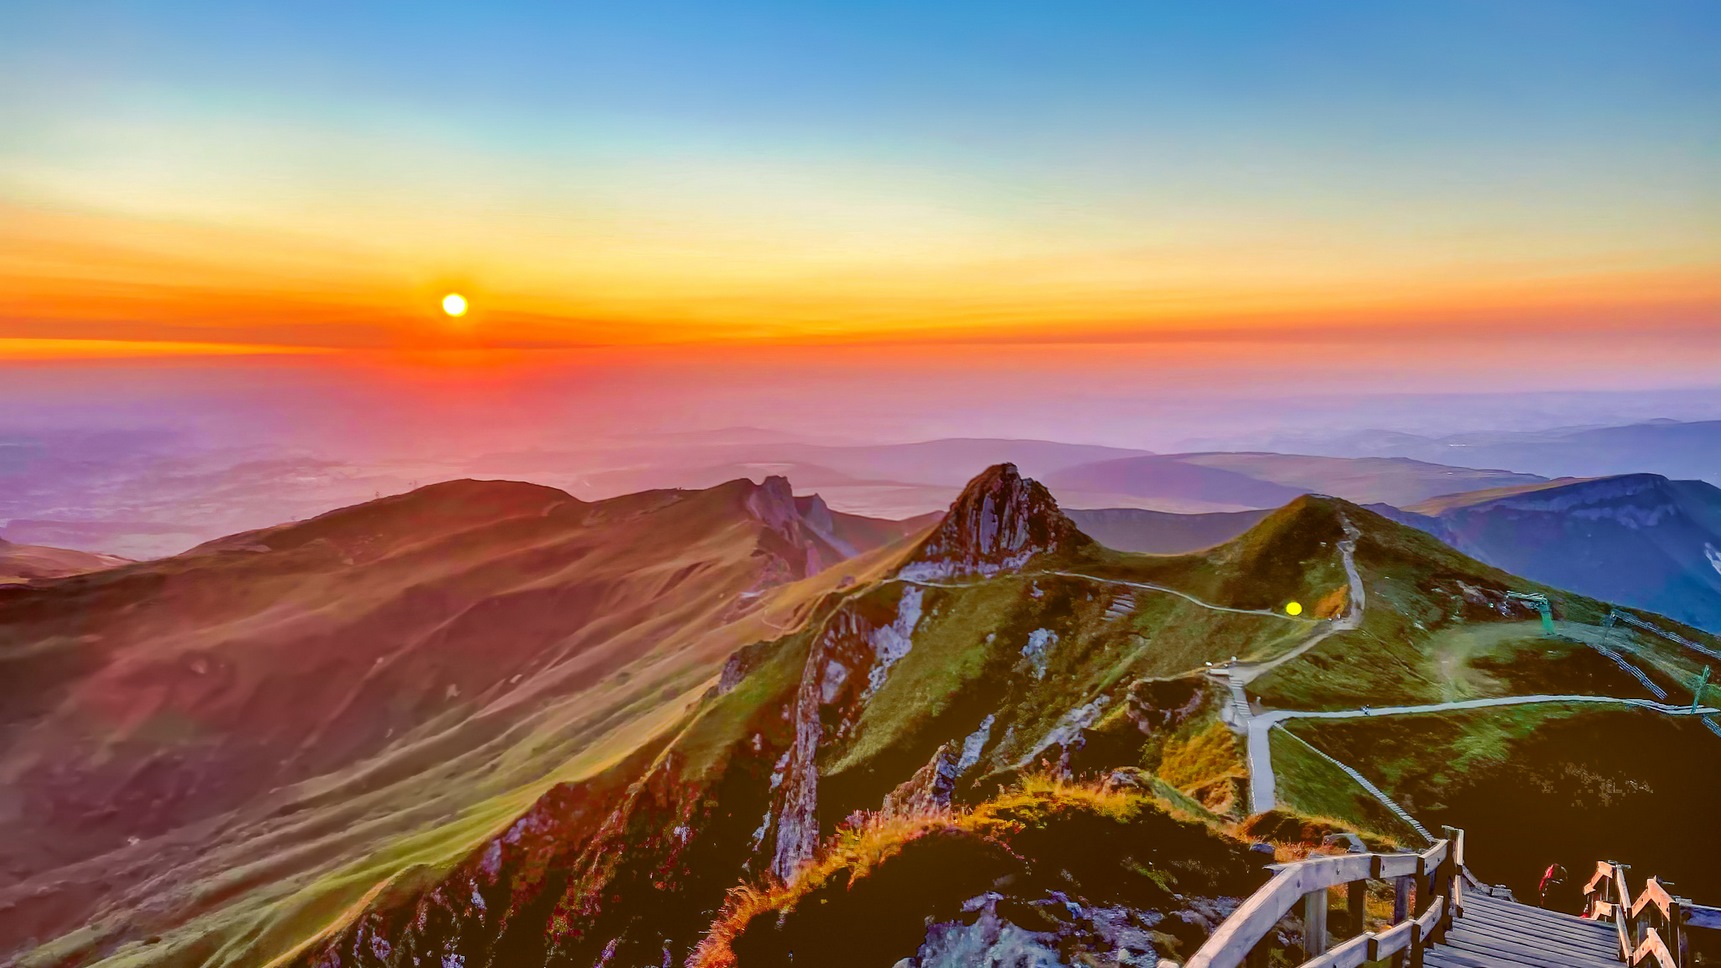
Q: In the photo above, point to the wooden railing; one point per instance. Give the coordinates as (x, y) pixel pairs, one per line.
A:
(1653, 926)
(1245, 940)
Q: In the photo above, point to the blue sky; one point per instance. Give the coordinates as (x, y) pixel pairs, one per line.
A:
(753, 170)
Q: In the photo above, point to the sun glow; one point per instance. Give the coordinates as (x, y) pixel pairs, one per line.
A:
(454, 304)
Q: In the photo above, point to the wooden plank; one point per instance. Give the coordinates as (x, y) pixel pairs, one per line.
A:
(1238, 935)
(1653, 893)
(1506, 937)
(1315, 922)
(1391, 941)
(1703, 916)
(1603, 874)
(1453, 958)
(1525, 954)
(1435, 856)
(1653, 947)
(1540, 936)
(1397, 865)
(1321, 873)
(1352, 954)
(1585, 941)
(1553, 920)
(1431, 917)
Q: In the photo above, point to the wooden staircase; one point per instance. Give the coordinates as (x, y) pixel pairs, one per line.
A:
(1442, 917)
(1499, 932)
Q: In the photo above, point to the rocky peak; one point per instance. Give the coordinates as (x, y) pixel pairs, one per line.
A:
(816, 513)
(998, 522)
(773, 503)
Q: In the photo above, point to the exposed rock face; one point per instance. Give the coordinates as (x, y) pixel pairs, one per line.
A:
(1000, 521)
(816, 513)
(773, 503)
(1107, 936)
(809, 535)
(931, 786)
(847, 663)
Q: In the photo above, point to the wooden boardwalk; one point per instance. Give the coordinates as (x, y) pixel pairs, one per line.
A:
(1456, 921)
(1493, 932)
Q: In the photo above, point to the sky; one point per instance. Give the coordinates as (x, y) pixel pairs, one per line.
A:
(746, 203)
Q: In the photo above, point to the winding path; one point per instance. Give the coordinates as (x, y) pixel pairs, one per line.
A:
(1246, 672)
(1149, 586)
(1261, 783)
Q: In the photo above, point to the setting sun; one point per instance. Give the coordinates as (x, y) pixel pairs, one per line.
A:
(454, 304)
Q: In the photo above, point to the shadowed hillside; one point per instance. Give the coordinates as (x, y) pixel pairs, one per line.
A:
(22, 563)
(1010, 717)
(304, 695)
(1639, 539)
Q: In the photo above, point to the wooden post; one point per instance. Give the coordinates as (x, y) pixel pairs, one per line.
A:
(1314, 923)
(1448, 886)
(1400, 909)
(1356, 897)
(1440, 885)
(1416, 946)
(1676, 932)
(1457, 894)
(1624, 927)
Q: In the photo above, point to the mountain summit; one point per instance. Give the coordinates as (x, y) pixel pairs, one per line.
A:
(999, 522)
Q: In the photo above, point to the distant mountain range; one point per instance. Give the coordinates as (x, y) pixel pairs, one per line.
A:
(1640, 539)
(20, 563)
(123, 497)
(1672, 448)
(1261, 480)
(1162, 532)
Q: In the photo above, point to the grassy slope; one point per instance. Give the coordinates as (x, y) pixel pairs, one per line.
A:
(1534, 785)
(1311, 785)
(968, 661)
(1429, 636)
(264, 882)
(1422, 640)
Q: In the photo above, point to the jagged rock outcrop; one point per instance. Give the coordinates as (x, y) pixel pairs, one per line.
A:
(999, 522)
(846, 664)
(931, 786)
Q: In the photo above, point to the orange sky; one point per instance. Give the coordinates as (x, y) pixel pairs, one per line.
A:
(185, 184)
(197, 288)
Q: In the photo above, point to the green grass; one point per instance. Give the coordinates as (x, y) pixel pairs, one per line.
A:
(1311, 785)
(286, 886)
(1425, 753)
(959, 635)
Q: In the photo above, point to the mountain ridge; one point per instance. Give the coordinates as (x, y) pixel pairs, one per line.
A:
(1031, 675)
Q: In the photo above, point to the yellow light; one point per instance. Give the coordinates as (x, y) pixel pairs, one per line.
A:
(454, 304)
(1293, 608)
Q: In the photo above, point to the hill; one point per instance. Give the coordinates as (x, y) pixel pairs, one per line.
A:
(918, 725)
(1639, 539)
(1228, 481)
(996, 738)
(253, 734)
(22, 563)
(1671, 448)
